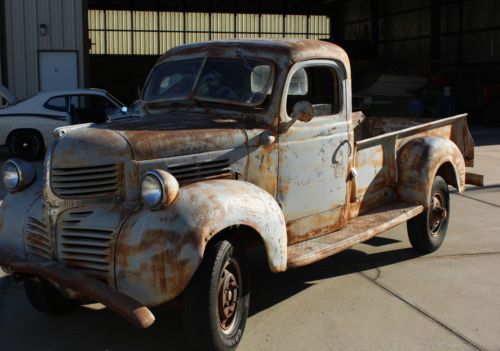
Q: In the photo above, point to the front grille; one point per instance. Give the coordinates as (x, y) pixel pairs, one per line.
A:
(37, 238)
(86, 248)
(203, 170)
(90, 181)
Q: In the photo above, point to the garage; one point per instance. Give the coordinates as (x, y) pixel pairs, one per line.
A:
(444, 52)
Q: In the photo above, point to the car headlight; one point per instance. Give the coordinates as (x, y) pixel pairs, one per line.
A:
(17, 174)
(158, 189)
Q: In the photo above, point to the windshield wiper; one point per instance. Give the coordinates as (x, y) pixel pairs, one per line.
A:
(172, 103)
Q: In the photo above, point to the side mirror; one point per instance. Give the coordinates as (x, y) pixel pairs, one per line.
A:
(302, 111)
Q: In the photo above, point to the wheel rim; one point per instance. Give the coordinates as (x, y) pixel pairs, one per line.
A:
(25, 145)
(228, 295)
(438, 213)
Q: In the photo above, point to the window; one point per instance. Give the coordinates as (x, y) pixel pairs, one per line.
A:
(114, 32)
(173, 80)
(243, 81)
(317, 84)
(58, 103)
(92, 109)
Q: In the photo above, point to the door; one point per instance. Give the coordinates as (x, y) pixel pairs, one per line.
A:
(58, 70)
(314, 155)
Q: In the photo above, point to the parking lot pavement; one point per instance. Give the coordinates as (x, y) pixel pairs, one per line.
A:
(380, 295)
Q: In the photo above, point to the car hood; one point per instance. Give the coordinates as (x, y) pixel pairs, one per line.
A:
(177, 134)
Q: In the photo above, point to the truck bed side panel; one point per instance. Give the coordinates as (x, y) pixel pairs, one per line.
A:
(377, 144)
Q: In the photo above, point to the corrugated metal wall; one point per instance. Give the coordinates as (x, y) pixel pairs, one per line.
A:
(115, 32)
(405, 29)
(65, 32)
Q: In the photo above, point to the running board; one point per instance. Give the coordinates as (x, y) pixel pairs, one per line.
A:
(359, 229)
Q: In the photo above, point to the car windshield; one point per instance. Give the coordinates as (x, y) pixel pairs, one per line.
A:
(242, 81)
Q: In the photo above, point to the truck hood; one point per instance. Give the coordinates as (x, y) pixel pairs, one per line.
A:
(177, 134)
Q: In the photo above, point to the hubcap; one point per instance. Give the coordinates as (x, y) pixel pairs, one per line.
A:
(228, 296)
(438, 213)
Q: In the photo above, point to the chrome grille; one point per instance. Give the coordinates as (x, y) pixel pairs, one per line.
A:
(37, 238)
(86, 248)
(203, 170)
(85, 181)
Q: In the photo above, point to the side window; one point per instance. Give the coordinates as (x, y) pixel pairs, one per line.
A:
(91, 109)
(317, 84)
(58, 103)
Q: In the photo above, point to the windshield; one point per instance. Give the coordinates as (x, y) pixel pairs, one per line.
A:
(241, 81)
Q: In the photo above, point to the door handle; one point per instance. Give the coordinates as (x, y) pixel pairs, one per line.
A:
(346, 141)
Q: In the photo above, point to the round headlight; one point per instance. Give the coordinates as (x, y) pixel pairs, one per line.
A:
(151, 190)
(17, 174)
(11, 176)
(158, 189)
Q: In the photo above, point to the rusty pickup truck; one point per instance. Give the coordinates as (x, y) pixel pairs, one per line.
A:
(240, 143)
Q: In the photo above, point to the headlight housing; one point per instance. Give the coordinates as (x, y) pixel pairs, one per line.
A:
(158, 189)
(17, 174)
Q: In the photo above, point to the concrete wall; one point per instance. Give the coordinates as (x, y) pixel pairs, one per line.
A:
(64, 20)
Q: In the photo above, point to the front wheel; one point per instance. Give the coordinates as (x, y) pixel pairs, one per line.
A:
(427, 231)
(216, 302)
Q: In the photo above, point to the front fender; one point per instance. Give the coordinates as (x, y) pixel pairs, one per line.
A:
(159, 251)
(420, 160)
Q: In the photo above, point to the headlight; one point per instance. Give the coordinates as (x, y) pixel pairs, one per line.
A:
(158, 189)
(17, 174)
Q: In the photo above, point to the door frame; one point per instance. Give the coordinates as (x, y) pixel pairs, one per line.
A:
(308, 223)
(341, 77)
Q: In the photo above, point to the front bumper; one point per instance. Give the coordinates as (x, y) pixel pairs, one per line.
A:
(125, 306)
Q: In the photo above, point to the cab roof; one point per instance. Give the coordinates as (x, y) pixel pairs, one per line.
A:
(280, 50)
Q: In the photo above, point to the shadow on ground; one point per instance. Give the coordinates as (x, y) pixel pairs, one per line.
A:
(103, 330)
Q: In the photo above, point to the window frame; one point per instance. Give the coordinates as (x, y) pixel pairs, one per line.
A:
(333, 64)
(192, 95)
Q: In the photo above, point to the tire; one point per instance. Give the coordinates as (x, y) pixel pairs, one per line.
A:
(26, 144)
(427, 231)
(46, 298)
(208, 325)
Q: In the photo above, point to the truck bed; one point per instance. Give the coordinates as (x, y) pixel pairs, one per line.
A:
(369, 130)
(377, 141)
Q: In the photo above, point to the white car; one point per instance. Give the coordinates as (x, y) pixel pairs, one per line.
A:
(27, 126)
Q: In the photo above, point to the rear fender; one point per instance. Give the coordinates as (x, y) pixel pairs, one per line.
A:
(159, 251)
(420, 160)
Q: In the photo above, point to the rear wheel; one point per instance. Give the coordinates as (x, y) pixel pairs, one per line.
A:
(26, 144)
(427, 231)
(215, 305)
(46, 298)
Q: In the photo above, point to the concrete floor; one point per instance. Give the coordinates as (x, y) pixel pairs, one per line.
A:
(379, 295)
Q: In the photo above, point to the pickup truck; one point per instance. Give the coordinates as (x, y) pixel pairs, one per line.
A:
(242, 143)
